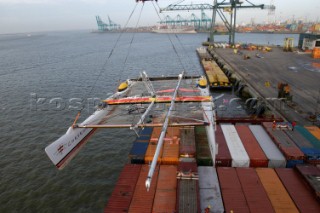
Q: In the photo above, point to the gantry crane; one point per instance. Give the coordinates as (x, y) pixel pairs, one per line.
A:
(105, 27)
(199, 23)
(220, 7)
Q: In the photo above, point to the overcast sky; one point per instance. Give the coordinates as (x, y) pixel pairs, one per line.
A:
(48, 15)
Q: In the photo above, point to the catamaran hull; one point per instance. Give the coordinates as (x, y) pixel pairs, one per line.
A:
(68, 145)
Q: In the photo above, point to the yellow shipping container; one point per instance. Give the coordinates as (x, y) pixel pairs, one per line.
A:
(150, 153)
(278, 195)
(315, 131)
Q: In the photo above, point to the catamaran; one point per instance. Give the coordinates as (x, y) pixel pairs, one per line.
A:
(143, 102)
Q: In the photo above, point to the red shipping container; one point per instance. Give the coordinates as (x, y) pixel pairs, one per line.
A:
(165, 196)
(298, 190)
(285, 144)
(121, 196)
(142, 199)
(256, 196)
(223, 158)
(311, 175)
(255, 153)
(188, 198)
(231, 190)
(187, 167)
(187, 142)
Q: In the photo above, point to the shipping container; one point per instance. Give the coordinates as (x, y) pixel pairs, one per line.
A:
(144, 138)
(252, 147)
(187, 167)
(210, 194)
(173, 132)
(310, 137)
(203, 151)
(277, 194)
(256, 196)
(311, 175)
(187, 142)
(152, 146)
(166, 190)
(315, 131)
(146, 131)
(188, 199)
(142, 199)
(223, 157)
(298, 190)
(285, 144)
(188, 196)
(233, 197)
(275, 157)
(238, 153)
(138, 152)
(170, 154)
(311, 153)
(121, 196)
(156, 132)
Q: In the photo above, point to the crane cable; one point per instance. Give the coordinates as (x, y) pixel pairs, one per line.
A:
(184, 50)
(132, 39)
(109, 56)
(174, 48)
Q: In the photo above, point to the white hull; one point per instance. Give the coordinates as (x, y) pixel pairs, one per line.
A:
(209, 116)
(175, 31)
(68, 145)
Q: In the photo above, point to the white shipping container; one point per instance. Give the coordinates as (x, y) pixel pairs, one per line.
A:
(238, 153)
(209, 189)
(276, 158)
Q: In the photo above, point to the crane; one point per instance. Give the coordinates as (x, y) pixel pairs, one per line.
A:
(219, 7)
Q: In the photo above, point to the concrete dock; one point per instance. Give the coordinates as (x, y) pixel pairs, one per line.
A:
(264, 71)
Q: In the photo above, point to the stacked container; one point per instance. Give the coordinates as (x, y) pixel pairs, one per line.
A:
(311, 176)
(142, 200)
(223, 157)
(165, 196)
(187, 147)
(210, 194)
(140, 145)
(203, 152)
(233, 197)
(238, 153)
(255, 194)
(292, 153)
(122, 194)
(188, 189)
(255, 153)
(170, 154)
(311, 153)
(315, 131)
(275, 157)
(300, 194)
(277, 194)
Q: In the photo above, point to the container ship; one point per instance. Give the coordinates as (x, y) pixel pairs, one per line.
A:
(186, 159)
(167, 29)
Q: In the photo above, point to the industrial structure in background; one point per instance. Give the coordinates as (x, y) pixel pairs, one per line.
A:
(103, 27)
(221, 7)
(199, 24)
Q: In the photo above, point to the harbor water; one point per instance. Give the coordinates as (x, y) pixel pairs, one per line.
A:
(46, 78)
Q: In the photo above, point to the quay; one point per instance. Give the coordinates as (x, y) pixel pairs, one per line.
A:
(261, 71)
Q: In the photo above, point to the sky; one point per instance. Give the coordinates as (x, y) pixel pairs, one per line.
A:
(19, 16)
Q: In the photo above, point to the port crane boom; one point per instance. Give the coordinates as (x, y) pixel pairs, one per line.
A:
(221, 6)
